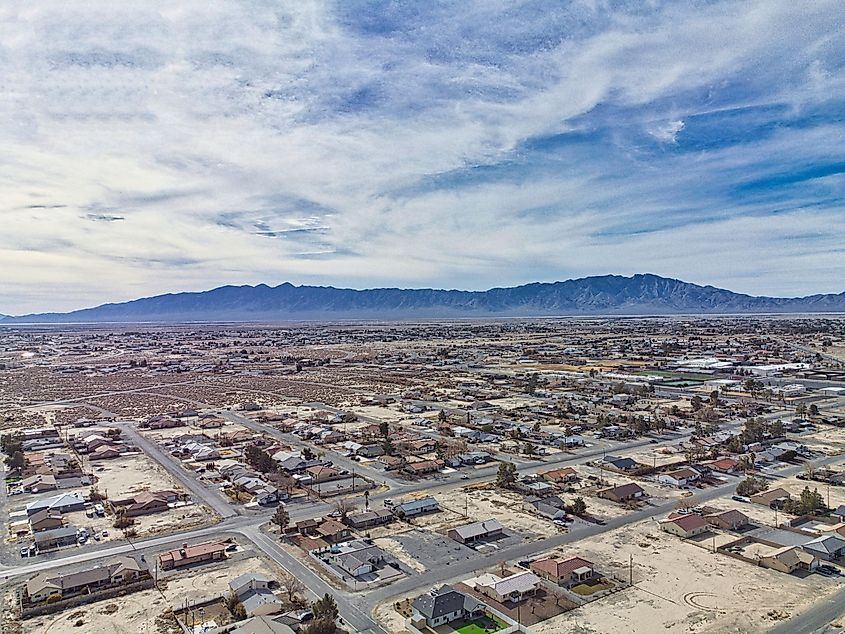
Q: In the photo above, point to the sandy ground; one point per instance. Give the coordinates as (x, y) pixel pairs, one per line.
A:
(830, 441)
(159, 435)
(126, 476)
(681, 587)
(396, 549)
(136, 612)
(485, 503)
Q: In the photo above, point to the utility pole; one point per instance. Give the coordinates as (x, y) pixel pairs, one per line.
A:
(631, 570)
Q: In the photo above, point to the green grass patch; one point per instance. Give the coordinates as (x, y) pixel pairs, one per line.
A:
(586, 589)
(480, 626)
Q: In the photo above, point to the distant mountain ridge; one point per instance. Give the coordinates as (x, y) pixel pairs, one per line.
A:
(642, 294)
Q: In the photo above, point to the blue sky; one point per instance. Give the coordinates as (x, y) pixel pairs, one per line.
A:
(167, 146)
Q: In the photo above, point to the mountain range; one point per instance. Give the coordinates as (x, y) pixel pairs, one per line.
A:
(642, 294)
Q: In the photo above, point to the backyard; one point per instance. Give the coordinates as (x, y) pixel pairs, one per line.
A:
(483, 625)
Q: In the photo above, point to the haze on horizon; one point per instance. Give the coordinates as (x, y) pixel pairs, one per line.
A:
(165, 147)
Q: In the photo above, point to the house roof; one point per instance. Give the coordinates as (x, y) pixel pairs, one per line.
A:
(56, 501)
(792, 556)
(731, 516)
(519, 582)
(624, 490)
(682, 474)
(444, 600)
(59, 582)
(561, 567)
(478, 529)
(254, 599)
(829, 544)
(241, 581)
(724, 464)
(767, 497)
(689, 522)
(558, 474)
(45, 514)
(193, 551)
(415, 504)
(621, 463)
(330, 527)
(262, 625)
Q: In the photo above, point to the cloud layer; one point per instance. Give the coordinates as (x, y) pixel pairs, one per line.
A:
(158, 146)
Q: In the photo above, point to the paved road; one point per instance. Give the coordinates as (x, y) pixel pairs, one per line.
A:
(213, 497)
(355, 615)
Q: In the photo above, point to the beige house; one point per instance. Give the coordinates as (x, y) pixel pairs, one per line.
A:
(789, 559)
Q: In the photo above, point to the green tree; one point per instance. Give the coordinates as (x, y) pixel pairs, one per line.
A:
(579, 506)
(506, 475)
(384, 428)
(235, 607)
(259, 459)
(696, 403)
(814, 410)
(281, 518)
(320, 626)
(751, 486)
(325, 608)
(16, 460)
(809, 502)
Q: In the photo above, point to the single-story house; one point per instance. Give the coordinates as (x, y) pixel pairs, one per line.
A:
(45, 520)
(412, 508)
(64, 503)
(332, 530)
(147, 503)
(774, 498)
(423, 467)
(368, 519)
(356, 557)
(445, 605)
(679, 477)
(622, 464)
(728, 520)
(789, 559)
(191, 555)
(39, 482)
(565, 572)
(724, 465)
(622, 492)
(827, 547)
(120, 571)
(514, 588)
(685, 526)
(55, 537)
(471, 533)
(560, 476)
(249, 582)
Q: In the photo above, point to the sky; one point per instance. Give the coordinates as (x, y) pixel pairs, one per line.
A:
(153, 147)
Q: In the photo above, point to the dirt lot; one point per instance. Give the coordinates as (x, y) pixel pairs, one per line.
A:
(485, 503)
(137, 612)
(126, 476)
(829, 441)
(681, 587)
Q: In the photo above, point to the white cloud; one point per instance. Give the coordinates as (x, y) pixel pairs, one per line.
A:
(412, 144)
